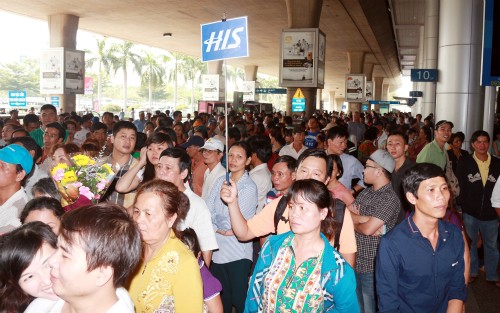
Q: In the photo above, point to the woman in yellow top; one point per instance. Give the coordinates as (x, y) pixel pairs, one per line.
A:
(168, 278)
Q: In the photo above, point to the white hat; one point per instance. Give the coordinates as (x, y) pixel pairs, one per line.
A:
(213, 144)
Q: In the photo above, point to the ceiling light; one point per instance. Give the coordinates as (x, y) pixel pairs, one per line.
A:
(167, 34)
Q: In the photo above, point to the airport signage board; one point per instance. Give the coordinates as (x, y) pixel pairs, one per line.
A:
(298, 101)
(424, 75)
(17, 98)
(62, 71)
(274, 91)
(355, 88)
(227, 39)
(211, 86)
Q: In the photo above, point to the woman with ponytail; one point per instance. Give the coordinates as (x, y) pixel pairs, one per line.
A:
(299, 270)
(168, 278)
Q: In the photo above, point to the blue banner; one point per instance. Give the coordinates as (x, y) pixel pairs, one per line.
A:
(275, 91)
(383, 102)
(17, 98)
(298, 104)
(224, 40)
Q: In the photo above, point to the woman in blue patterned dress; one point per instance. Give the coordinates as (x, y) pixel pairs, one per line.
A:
(299, 271)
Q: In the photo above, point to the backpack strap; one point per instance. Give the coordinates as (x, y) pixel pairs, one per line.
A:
(339, 218)
(278, 214)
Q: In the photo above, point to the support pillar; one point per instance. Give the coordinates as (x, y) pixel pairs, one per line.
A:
(459, 97)
(303, 14)
(62, 33)
(355, 59)
(490, 96)
(251, 72)
(417, 108)
(379, 83)
(333, 103)
(430, 54)
(215, 68)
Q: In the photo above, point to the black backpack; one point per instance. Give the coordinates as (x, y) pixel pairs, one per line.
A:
(339, 217)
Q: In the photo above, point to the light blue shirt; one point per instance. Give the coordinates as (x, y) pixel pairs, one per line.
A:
(352, 169)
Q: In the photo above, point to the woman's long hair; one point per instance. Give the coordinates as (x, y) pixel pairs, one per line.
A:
(17, 250)
(316, 192)
(157, 138)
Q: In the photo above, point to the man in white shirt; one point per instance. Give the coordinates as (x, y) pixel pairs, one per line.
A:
(212, 152)
(260, 174)
(81, 134)
(174, 166)
(296, 148)
(15, 163)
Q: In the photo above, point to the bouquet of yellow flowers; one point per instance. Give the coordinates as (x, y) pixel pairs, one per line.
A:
(82, 175)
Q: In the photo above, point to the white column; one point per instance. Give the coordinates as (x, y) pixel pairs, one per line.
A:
(430, 53)
(417, 108)
(459, 97)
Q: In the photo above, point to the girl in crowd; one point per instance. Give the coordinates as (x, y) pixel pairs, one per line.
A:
(24, 271)
(232, 262)
(299, 271)
(456, 152)
(43, 209)
(424, 137)
(144, 170)
(168, 278)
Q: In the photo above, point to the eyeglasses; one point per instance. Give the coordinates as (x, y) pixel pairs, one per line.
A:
(369, 166)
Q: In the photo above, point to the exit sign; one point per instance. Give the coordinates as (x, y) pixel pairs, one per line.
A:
(424, 75)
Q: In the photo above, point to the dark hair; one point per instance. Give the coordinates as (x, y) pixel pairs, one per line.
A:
(337, 160)
(317, 153)
(316, 192)
(427, 132)
(157, 138)
(61, 131)
(98, 126)
(18, 248)
(30, 118)
(173, 201)
(290, 161)
(261, 146)
(337, 131)
(108, 236)
(234, 132)
(41, 203)
(477, 134)
(47, 186)
(123, 125)
(417, 174)
(140, 141)
(18, 130)
(400, 134)
(29, 144)
(275, 132)
(190, 239)
(244, 146)
(371, 133)
(459, 135)
(184, 159)
(48, 107)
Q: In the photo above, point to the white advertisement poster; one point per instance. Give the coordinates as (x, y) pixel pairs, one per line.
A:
(248, 88)
(75, 72)
(52, 71)
(369, 91)
(355, 87)
(210, 87)
(298, 57)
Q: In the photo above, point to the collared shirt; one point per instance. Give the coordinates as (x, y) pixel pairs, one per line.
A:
(111, 195)
(261, 176)
(11, 209)
(290, 150)
(432, 153)
(199, 219)
(413, 277)
(230, 249)
(484, 167)
(140, 125)
(209, 179)
(352, 169)
(80, 136)
(383, 204)
(37, 134)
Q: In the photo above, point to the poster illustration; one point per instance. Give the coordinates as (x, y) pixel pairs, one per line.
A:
(298, 56)
(52, 71)
(210, 87)
(355, 87)
(369, 91)
(75, 72)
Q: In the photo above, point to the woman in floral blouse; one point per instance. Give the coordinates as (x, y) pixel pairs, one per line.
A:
(299, 271)
(168, 278)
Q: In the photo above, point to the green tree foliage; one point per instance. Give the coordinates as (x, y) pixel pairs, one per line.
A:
(153, 74)
(105, 60)
(24, 75)
(125, 55)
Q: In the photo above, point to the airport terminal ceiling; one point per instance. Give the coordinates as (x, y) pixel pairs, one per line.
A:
(349, 25)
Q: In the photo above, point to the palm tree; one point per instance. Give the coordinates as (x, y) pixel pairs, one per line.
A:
(153, 73)
(105, 60)
(125, 55)
(192, 68)
(172, 60)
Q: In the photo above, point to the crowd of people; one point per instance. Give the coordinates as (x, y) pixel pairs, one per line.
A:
(334, 212)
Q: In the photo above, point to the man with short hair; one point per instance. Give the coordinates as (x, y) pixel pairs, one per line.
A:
(107, 119)
(7, 131)
(99, 132)
(198, 167)
(85, 126)
(53, 135)
(175, 166)
(123, 140)
(477, 174)
(15, 163)
(296, 148)
(98, 249)
(420, 263)
(177, 117)
(356, 129)
(310, 138)
(141, 122)
(212, 152)
(374, 212)
(48, 114)
(282, 177)
(397, 145)
(434, 152)
(31, 122)
(260, 147)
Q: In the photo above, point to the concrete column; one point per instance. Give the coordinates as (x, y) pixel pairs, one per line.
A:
(251, 72)
(385, 91)
(333, 103)
(216, 68)
(378, 83)
(303, 14)
(340, 103)
(62, 33)
(368, 71)
(355, 59)
(459, 97)
(490, 96)
(417, 108)
(430, 53)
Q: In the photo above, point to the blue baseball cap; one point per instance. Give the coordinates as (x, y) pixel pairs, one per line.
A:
(16, 154)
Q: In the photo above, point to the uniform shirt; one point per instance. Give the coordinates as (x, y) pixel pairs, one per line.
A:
(290, 150)
(412, 277)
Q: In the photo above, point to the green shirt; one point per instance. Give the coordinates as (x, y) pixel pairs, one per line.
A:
(37, 134)
(432, 153)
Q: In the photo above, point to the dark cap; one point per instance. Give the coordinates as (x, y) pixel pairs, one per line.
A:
(441, 123)
(193, 141)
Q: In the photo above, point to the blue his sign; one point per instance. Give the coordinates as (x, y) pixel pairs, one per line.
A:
(17, 98)
(298, 104)
(224, 40)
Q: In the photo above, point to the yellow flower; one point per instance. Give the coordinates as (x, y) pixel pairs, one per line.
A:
(108, 168)
(82, 160)
(69, 177)
(58, 167)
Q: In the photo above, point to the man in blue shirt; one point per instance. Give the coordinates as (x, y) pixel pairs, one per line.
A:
(420, 263)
